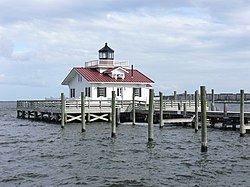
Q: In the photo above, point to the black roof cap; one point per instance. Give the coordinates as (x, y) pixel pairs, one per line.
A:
(106, 48)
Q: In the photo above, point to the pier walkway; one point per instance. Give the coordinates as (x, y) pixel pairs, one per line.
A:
(51, 110)
(180, 112)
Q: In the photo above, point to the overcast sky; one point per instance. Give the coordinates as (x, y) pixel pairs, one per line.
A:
(179, 44)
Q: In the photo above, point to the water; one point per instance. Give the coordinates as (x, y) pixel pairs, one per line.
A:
(41, 154)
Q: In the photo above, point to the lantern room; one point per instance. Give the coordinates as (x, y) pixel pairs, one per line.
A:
(106, 53)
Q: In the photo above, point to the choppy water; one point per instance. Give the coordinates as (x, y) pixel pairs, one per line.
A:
(41, 154)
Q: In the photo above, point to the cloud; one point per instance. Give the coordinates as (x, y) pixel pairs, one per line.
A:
(6, 47)
(2, 76)
(179, 44)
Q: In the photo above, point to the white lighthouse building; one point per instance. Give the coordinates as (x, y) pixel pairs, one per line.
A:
(100, 77)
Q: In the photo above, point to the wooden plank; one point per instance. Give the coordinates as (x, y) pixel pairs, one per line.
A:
(179, 120)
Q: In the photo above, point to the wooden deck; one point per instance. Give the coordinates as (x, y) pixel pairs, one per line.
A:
(50, 110)
(173, 111)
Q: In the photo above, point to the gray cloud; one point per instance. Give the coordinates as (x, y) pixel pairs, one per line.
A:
(180, 44)
(6, 47)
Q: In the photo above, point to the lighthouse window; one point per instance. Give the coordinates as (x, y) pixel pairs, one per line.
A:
(87, 91)
(119, 91)
(110, 55)
(72, 93)
(104, 55)
(79, 78)
(137, 92)
(101, 91)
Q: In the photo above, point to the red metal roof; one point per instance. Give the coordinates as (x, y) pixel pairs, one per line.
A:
(92, 75)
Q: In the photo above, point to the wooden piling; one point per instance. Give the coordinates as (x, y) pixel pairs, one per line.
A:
(242, 122)
(56, 117)
(83, 111)
(225, 117)
(113, 133)
(203, 120)
(151, 116)
(184, 109)
(118, 118)
(62, 110)
(196, 127)
(175, 97)
(133, 107)
(225, 109)
(36, 115)
(49, 117)
(212, 101)
(161, 124)
(185, 95)
(29, 114)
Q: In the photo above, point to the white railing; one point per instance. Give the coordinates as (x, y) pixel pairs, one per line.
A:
(106, 63)
(74, 105)
(40, 105)
(175, 105)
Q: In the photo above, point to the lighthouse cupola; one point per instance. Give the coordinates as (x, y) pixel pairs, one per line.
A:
(106, 53)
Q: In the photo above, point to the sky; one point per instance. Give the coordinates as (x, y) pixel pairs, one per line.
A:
(181, 45)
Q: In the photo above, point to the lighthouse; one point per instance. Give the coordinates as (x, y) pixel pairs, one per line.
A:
(106, 53)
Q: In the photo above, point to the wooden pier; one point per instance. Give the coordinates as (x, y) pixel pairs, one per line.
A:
(51, 110)
(173, 112)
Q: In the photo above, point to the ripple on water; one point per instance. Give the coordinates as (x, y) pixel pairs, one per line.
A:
(33, 153)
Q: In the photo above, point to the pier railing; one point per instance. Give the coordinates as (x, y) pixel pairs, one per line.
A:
(175, 105)
(74, 105)
(40, 105)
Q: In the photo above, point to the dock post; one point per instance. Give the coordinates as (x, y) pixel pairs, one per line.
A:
(151, 116)
(212, 103)
(83, 111)
(113, 133)
(161, 110)
(184, 109)
(56, 117)
(49, 117)
(203, 120)
(35, 115)
(225, 116)
(62, 110)
(242, 123)
(118, 116)
(29, 114)
(133, 107)
(175, 96)
(185, 95)
(196, 127)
